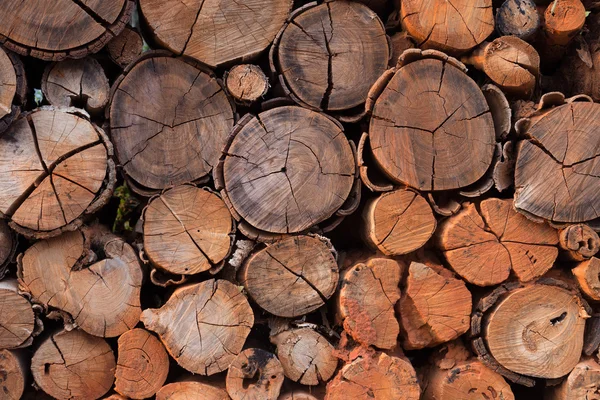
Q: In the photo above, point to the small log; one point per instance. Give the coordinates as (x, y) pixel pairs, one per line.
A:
(17, 319)
(142, 364)
(306, 356)
(370, 319)
(59, 170)
(213, 319)
(435, 307)
(582, 383)
(246, 83)
(483, 243)
(218, 33)
(191, 390)
(125, 47)
(297, 395)
(397, 222)
(14, 372)
(579, 242)
(81, 83)
(587, 274)
(169, 120)
(92, 275)
(562, 21)
(73, 364)
(399, 42)
(13, 88)
(286, 170)
(454, 29)
(518, 18)
(260, 367)
(187, 230)
(592, 335)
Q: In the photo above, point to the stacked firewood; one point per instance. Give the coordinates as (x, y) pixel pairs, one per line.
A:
(284, 200)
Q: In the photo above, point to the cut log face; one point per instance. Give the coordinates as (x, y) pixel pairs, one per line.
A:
(13, 374)
(483, 243)
(169, 121)
(587, 274)
(102, 298)
(246, 83)
(74, 365)
(297, 395)
(287, 169)
(191, 390)
(331, 54)
(435, 307)
(187, 230)
(306, 356)
(76, 83)
(432, 128)
(398, 222)
(8, 247)
(216, 32)
(8, 84)
(74, 30)
(56, 168)
(558, 167)
(263, 368)
(302, 269)
(563, 20)
(367, 296)
(125, 47)
(580, 242)
(518, 18)
(203, 326)
(17, 319)
(452, 28)
(142, 364)
(582, 383)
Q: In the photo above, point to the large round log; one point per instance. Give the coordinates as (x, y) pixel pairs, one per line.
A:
(17, 318)
(13, 88)
(262, 369)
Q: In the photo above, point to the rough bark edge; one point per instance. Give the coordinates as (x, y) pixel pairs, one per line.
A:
(20, 94)
(243, 102)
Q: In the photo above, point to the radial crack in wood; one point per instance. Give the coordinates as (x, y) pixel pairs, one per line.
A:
(246, 83)
(124, 48)
(17, 318)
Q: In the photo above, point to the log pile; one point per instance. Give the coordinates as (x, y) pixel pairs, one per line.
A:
(295, 200)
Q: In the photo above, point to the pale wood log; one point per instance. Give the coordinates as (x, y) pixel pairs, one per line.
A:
(246, 83)
(17, 318)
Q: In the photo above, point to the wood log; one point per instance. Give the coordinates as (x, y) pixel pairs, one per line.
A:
(397, 222)
(142, 364)
(246, 83)
(157, 99)
(431, 128)
(92, 275)
(115, 397)
(435, 307)
(74, 365)
(13, 88)
(370, 319)
(297, 395)
(562, 21)
(454, 29)
(587, 274)
(14, 371)
(582, 383)
(79, 83)
(301, 268)
(554, 181)
(518, 18)
(191, 390)
(484, 242)
(124, 48)
(71, 29)
(255, 374)
(316, 55)
(305, 355)
(17, 318)
(217, 33)
(187, 230)
(203, 326)
(399, 42)
(284, 175)
(8, 247)
(579, 242)
(57, 168)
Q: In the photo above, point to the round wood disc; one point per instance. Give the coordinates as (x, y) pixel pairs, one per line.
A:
(13, 374)
(288, 169)
(54, 30)
(215, 31)
(330, 55)
(17, 320)
(558, 168)
(431, 127)
(191, 390)
(169, 122)
(125, 47)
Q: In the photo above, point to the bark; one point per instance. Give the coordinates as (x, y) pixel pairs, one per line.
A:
(14, 371)
(262, 369)
(587, 274)
(124, 48)
(582, 383)
(579, 242)
(518, 18)
(191, 390)
(13, 88)
(17, 318)
(246, 83)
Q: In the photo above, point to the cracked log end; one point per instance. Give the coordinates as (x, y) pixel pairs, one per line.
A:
(103, 296)
(291, 277)
(255, 374)
(582, 383)
(17, 319)
(78, 83)
(579, 242)
(169, 121)
(319, 50)
(563, 20)
(14, 372)
(518, 18)
(587, 274)
(484, 242)
(73, 364)
(187, 230)
(125, 47)
(288, 169)
(191, 390)
(83, 27)
(431, 127)
(8, 247)
(213, 320)
(246, 83)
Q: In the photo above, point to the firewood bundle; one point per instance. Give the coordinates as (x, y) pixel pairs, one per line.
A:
(293, 200)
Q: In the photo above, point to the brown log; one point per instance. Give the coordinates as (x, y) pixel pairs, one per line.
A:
(562, 21)
(169, 120)
(59, 170)
(399, 42)
(92, 275)
(246, 83)
(203, 326)
(81, 83)
(518, 18)
(262, 369)
(191, 390)
(115, 397)
(74, 365)
(397, 222)
(582, 383)
(297, 395)
(142, 364)
(286, 170)
(8, 247)
(435, 307)
(484, 242)
(187, 230)
(217, 33)
(17, 318)
(13, 88)
(14, 371)
(587, 274)
(300, 269)
(125, 47)
(370, 319)
(579, 242)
